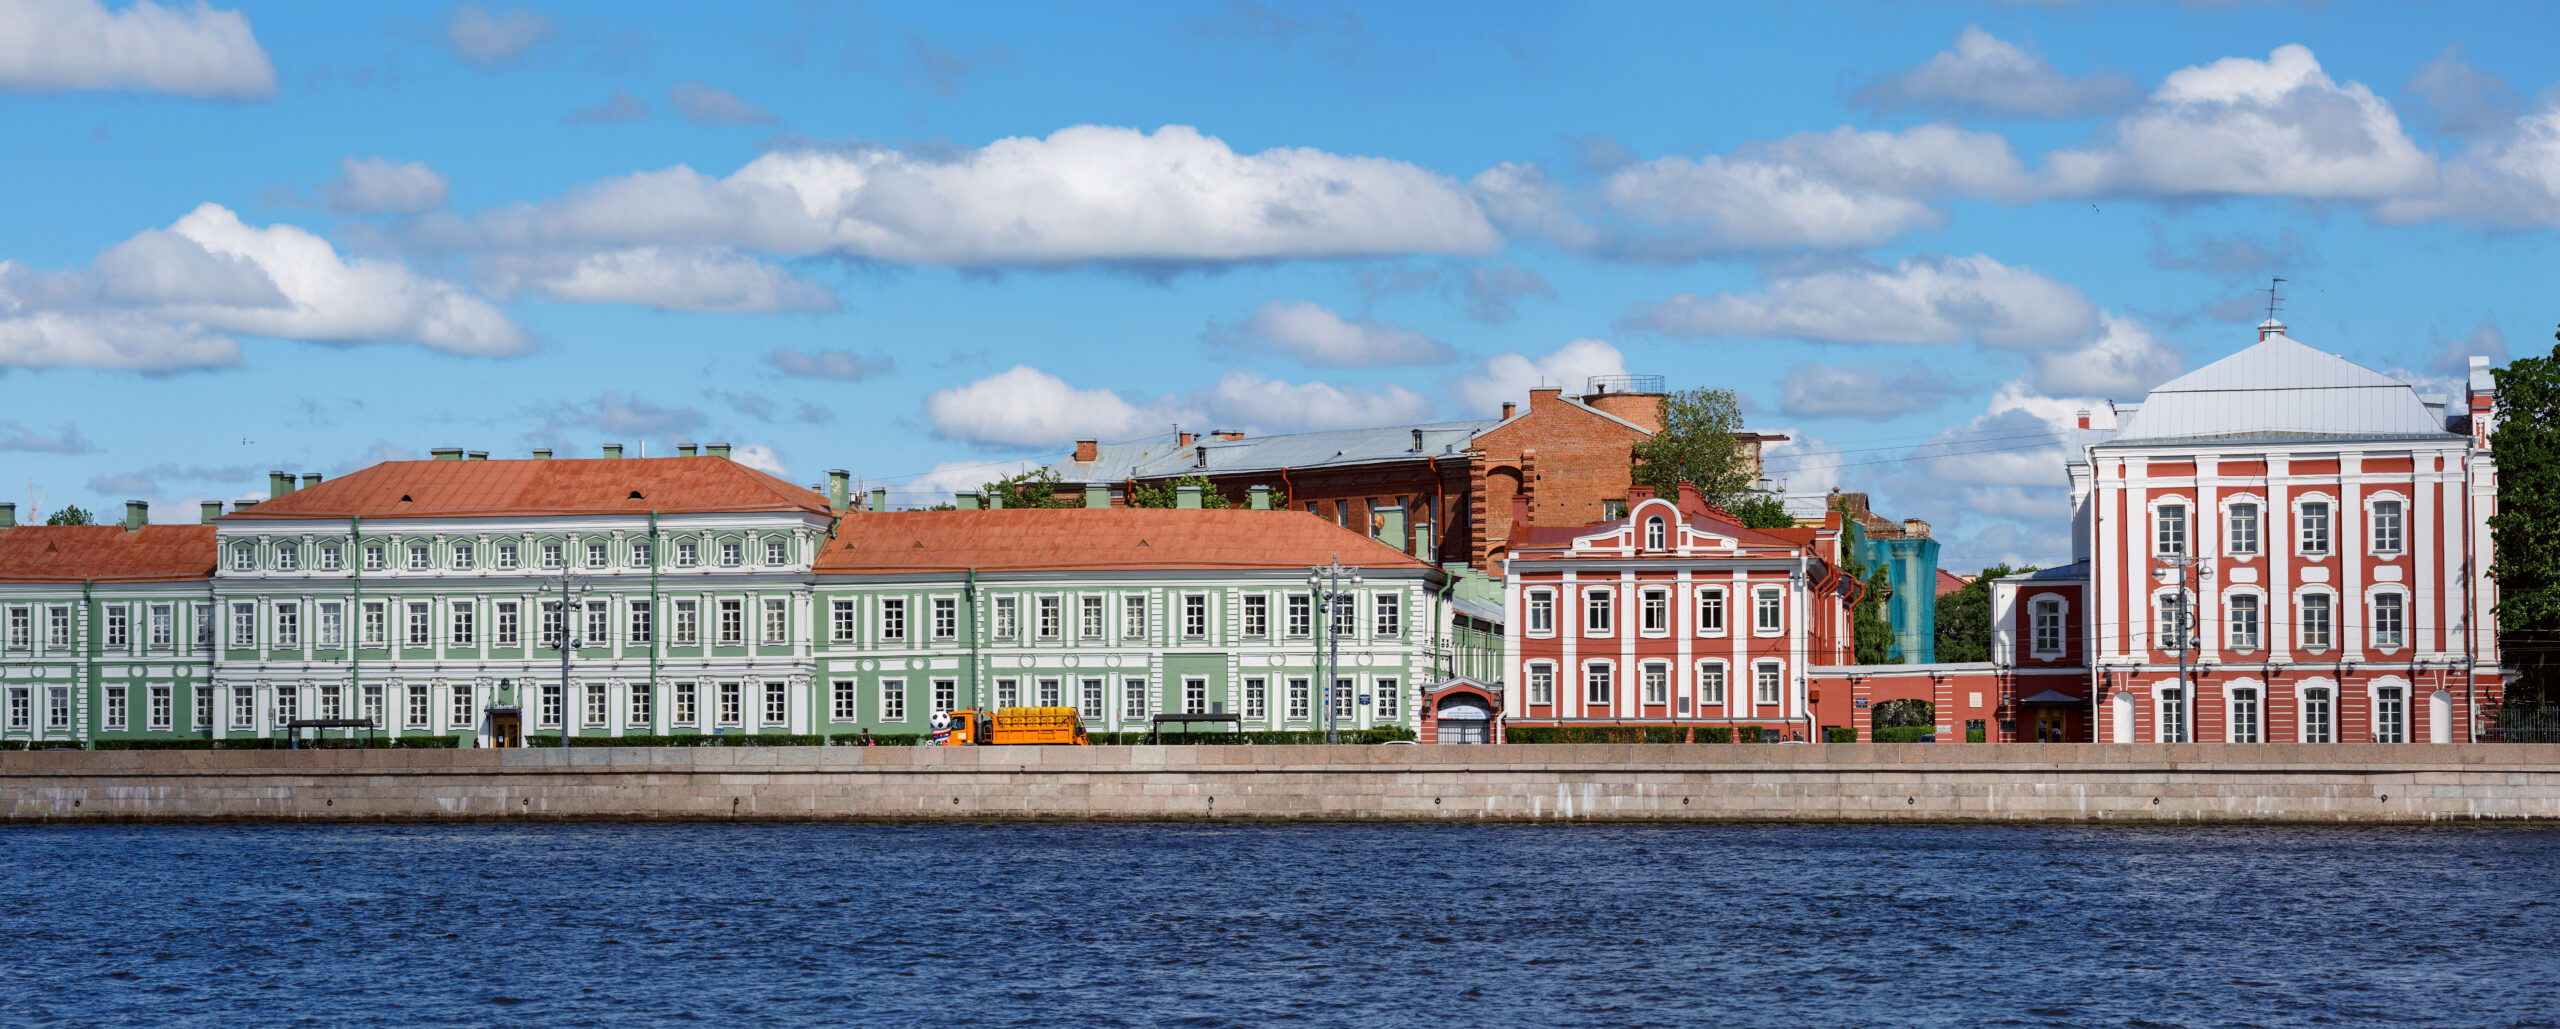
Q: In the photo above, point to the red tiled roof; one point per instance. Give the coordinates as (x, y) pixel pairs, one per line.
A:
(106, 553)
(1066, 539)
(1949, 582)
(424, 489)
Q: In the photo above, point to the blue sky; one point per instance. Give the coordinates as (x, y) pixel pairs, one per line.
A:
(932, 244)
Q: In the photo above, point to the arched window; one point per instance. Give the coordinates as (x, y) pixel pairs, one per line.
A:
(1655, 533)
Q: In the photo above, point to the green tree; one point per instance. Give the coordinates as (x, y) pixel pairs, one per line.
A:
(1035, 488)
(2526, 440)
(1964, 617)
(1870, 632)
(71, 514)
(1696, 445)
(1761, 510)
(1163, 494)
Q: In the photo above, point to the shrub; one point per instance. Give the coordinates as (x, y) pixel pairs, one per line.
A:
(1903, 733)
(734, 739)
(1839, 734)
(1372, 737)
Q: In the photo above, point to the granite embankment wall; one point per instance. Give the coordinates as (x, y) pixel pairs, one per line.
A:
(2139, 783)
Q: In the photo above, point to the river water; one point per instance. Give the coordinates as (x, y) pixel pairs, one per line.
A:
(1353, 925)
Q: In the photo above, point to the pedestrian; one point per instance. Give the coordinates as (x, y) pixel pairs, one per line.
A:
(866, 737)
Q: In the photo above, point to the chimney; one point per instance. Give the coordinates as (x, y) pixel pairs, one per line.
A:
(1199, 457)
(2084, 418)
(1421, 541)
(966, 500)
(137, 513)
(718, 450)
(1258, 498)
(1230, 435)
(686, 450)
(479, 455)
(1915, 528)
(1508, 409)
(207, 511)
(1182, 439)
(2269, 328)
(9, 514)
(1097, 495)
(613, 451)
(279, 484)
(542, 454)
(1417, 441)
(446, 453)
(1637, 494)
(995, 500)
(1186, 497)
(1087, 450)
(879, 500)
(839, 488)
(310, 479)
(238, 506)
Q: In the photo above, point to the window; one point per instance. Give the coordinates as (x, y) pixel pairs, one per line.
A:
(1008, 618)
(462, 557)
(117, 703)
(733, 622)
(688, 553)
(1341, 711)
(688, 703)
(374, 557)
(596, 700)
(1090, 701)
(506, 555)
(1257, 615)
(164, 626)
(1656, 535)
(641, 623)
(777, 620)
(777, 700)
(1089, 617)
(203, 695)
(288, 557)
(2315, 527)
(1195, 615)
(1542, 683)
(641, 700)
(776, 552)
(2316, 724)
(1542, 612)
(1389, 608)
(733, 703)
(1049, 618)
(2243, 533)
(1596, 680)
(1133, 617)
(414, 713)
(419, 633)
(332, 704)
(1766, 683)
(2388, 620)
(21, 710)
(119, 627)
(2240, 631)
(2173, 717)
(2315, 622)
(1008, 693)
(1299, 701)
(1195, 695)
(332, 557)
(688, 627)
(551, 703)
(464, 716)
(20, 629)
(1301, 616)
(1257, 699)
(596, 557)
(2169, 530)
(204, 625)
(1390, 698)
(2170, 631)
(893, 700)
(551, 554)
(333, 625)
(1711, 684)
(1612, 510)
(1049, 696)
(643, 553)
(732, 553)
(1768, 614)
(1133, 694)
(377, 625)
(2390, 715)
(893, 618)
(57, 627)
(2244, 715)
(1657, 683)
(465, 631)
(244, 624)
(843, 708)
(1346, 616)
(508, 627)
(1597, 613)
(419, 557)
(1654, 612)
(244, 557)
(840, 620)
(2386, 527)
(2048, 626)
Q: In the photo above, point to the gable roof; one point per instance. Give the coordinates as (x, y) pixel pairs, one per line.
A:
(1098, 539)
(452, 489)
(106, 553)
(2280, 389)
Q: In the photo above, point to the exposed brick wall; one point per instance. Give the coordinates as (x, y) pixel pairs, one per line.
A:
(1568, 458)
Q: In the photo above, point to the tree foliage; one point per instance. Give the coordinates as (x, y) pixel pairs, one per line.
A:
(1964, 617)
(1761, 510)
(71, 514)
(2526, 440)
(1165, 493)
(1870, 632)
(1035, 488)
(1696, 445)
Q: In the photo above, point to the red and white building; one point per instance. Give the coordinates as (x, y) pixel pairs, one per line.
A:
(1675, 615)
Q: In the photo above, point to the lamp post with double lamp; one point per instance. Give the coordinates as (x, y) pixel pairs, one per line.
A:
(2189, 569)
(1326, 582)
(568, 592)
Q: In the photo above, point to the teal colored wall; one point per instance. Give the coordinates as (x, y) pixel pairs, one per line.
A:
(1911, 571)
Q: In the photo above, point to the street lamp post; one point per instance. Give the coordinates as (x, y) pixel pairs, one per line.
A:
(569, 589)
(2190, 568)
(1326, 582)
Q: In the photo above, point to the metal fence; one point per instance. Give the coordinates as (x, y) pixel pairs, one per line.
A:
(2540, 725)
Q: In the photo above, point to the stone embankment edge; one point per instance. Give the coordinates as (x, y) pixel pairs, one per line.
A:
(2141, 784)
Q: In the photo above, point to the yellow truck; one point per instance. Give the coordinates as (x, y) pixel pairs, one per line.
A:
(1012, 725)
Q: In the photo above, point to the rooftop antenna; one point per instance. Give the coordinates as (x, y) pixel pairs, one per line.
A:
(2274, 302)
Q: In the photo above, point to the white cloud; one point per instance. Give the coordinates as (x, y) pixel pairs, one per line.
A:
(376, 185)
(1026, 407)
(1803, 468)
(157, 267)
(2455, 99)
(1918, 301)
(1510, 377)
(337, 299)
(664, 278)
(1873, 391)
(2251, 128)
(838, 365)
(949, 477)
(1083, 194)
(120, 340)
(2016, 441)
(2453, 356)
(759, 457)
(621, 414)
(482, 38)
(1310, 333)
(2125, 360)
(1249, 402)
(1984, 74)
(19, 438)
(2511, 178)
(79, 44)
(705, 105)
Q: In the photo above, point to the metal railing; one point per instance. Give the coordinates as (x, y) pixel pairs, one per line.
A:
(2521, 726)
(1623, 384)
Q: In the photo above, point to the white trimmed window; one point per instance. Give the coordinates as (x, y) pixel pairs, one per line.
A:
(1599, 612)
(2047, 626)
(688, 553)
(893, 618)
(1768, 680)
(776, 551)
(642, 553)
(640, 622)
(845, 694)
(244, 557)
(597, 703)
(1711, 683)
(2244, 714)
(1095, 695)
(119, 627)
(2172, 712)
(1133, 697)
(2319, 723)
(288, 557)
(1008, 617)
(1542, 683)
(2240, 534)
(463, 557)
(733, 703)
(1133, 616)
(506, 624)
(1390, 698)
(641, 702)
(244, 624)
(552, 553)
(1195, 615)
(2240, 627)
(2169, 530)
(551, 704)
(420, 633)
(117, 704)
(2387, 535)
(688, 627)
(164, 626)
(596, 556)
(1768, 616)
(1597, 678)
(777, 620)
(777, 700)
(1300, 701)
(332, 557)
(244, 708)
(420, 557)
(377, 624)
(1346, 616)
(1050, 692)
(599, 624)
(333, 625)
(374, 557)
(1541, 605)
(1389, 611)
(507, 555)
(1257, 615)
(1089, 617)
(2390, 620)
(688, 704)
(414, 713)
(842, 614)
(164, 708)
(2169, 626)
(1257, 698)
(1653, 612)
(1711, 611)
(463, 621)
(1656, 535)
(1049, 616)
(2314, 537)
(732, 553)
(733, 622)
(2316, 631)
(1657, 683)
(2390, 715)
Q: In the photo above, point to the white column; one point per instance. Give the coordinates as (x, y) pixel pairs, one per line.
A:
(1625, 616)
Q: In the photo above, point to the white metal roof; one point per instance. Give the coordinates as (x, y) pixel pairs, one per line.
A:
(2281, 389)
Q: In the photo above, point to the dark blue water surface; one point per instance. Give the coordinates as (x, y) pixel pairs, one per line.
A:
(1245, 926)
